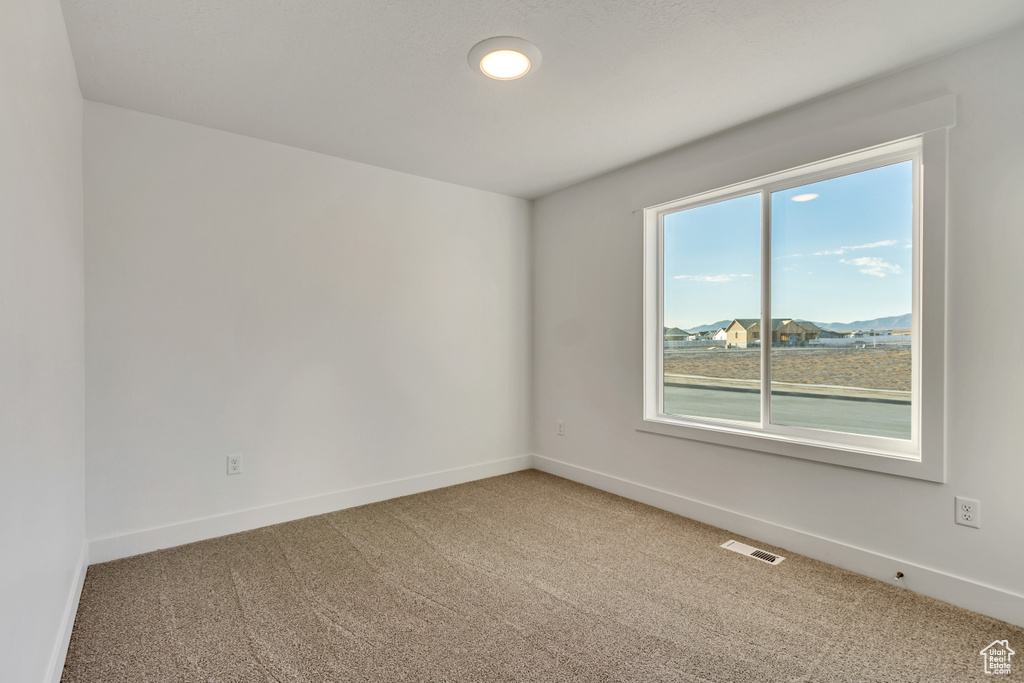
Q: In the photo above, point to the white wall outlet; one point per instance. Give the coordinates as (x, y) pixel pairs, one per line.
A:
(235, 464)
(561, 428)
(968, 512)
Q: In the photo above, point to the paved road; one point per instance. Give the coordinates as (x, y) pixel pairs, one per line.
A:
(821, 412)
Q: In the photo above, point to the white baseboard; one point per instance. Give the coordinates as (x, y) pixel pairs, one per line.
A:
(60, 648)
(956, 590)
(144, 541)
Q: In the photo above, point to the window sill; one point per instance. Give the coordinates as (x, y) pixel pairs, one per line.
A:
(896, 464)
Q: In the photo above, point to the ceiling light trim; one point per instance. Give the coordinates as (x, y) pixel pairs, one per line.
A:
(500, 43)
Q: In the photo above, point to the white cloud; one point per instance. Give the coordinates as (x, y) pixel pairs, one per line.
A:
(711, 278)
(869, 245)
(874, 266)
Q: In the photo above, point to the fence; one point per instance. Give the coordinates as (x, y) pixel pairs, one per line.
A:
(889, 340)
(696, 344)
(886, 339)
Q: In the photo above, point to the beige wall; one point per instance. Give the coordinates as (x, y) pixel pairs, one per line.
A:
(867, 521)
(41, 314)
(338, 324)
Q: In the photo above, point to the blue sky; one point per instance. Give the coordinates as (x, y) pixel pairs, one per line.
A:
(842, 256)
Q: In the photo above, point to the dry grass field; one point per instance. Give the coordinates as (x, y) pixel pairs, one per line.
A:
(870, 368)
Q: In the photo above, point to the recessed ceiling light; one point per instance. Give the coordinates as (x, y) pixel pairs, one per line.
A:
(504, 58)
(804, 197)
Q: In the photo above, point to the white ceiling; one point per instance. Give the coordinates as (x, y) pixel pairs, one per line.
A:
(387, 82)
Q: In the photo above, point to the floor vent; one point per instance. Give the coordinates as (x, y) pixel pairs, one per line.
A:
(744, 549)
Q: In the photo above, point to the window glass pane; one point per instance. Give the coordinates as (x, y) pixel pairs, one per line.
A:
(842, 262)
(712, 306)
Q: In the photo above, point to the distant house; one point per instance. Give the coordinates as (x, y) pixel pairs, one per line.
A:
(675, 334)
(743, 332)
(860, 334)
(720, 335)
(789, 331)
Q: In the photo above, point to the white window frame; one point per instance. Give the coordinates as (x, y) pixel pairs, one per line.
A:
(921, 457)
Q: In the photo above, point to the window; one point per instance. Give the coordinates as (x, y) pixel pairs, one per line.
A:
(787, 314)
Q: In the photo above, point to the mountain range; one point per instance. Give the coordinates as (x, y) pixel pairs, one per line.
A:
(893, 322)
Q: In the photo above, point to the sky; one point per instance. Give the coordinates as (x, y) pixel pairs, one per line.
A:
(841, 256)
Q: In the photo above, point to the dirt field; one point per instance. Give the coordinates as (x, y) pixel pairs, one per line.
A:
(871, 368)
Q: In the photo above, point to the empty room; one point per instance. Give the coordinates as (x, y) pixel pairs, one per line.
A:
(523, 341)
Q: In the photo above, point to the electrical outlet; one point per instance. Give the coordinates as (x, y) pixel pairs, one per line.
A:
(968, 512)
(235, 464)
(561, 428)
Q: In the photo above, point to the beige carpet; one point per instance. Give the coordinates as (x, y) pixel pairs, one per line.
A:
(524, 577)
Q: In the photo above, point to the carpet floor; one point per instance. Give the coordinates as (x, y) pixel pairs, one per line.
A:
(523, 577)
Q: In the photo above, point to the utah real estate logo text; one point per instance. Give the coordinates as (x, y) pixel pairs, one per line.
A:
(997, 657)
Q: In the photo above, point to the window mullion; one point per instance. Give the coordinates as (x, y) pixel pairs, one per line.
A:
(660, 330)
(766, 309)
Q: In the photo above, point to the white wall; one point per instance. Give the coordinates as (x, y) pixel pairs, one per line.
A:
(41, 347)
(588, 347)
(339, 325)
